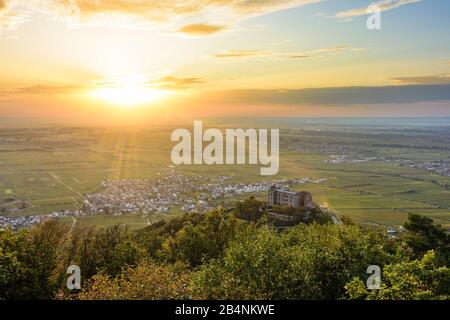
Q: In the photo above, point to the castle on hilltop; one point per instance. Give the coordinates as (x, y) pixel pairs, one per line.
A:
(288, 198)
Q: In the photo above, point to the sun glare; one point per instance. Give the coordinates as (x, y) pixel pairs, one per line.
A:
(129, 92)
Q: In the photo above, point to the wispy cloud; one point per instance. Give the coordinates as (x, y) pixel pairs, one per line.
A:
(332, 96)
(172, 82)
(432, 79)
(298, 56)
(200, 29)
(318, 53)
(168, 82)
(43, 89)
(322, 52)
(332, 49)
(10, 18)
(160, 12)
(233, 54)
(384, 5)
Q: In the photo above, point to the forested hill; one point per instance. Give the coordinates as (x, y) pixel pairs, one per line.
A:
(219, 255)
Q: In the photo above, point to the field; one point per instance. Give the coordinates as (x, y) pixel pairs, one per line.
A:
(43, 170)
(103, 221)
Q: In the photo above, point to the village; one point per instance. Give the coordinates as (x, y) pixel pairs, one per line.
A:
(172, 190)
(440, 167)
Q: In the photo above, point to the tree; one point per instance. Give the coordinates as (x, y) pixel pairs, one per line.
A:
(107, 250)
(12, 270)
(153, 236)
(251, 268)
(31, 261)
(306, 262)
(423, 235)
(249, 209)
(208, 239)
(146, 281)
(407, 280)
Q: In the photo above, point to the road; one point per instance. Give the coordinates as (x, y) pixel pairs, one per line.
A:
(54, 176)
(74, 223)
(335, 219)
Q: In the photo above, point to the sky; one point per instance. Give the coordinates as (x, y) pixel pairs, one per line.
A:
(117, 60)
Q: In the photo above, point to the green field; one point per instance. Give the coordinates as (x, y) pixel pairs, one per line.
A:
(104, 221)
(49, 169)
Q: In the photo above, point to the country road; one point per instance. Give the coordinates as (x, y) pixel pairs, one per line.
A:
(54, 176)
(74, 223)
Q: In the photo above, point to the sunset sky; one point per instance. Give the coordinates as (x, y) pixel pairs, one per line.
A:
(82, 59)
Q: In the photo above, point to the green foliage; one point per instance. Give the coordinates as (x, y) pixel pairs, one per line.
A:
(153, 236)
(423, 235)
(307, 262)
(217, 256)
(146, 281)
(407, 280)
(249, 209)
(192, 244)
(108, 250)
(347, 220)
(31, 261)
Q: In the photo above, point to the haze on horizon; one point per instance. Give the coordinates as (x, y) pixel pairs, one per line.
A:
(129, 60)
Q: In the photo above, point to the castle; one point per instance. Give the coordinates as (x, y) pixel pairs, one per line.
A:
(288, 198)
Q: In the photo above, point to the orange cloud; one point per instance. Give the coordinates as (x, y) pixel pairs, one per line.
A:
(171, 82)
(43, 90)
(298, 56)
(200, 29)
(167, 82)
(433, 79)
(9, 19)
(3, 4)
(167, 12)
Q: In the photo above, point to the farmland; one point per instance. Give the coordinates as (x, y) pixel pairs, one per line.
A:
(376, 172)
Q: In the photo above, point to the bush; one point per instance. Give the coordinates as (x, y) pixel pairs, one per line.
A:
(146, 281)
(407, 280)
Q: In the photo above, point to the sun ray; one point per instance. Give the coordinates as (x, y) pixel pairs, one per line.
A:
(129, 92)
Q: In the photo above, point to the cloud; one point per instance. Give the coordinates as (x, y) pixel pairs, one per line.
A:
(333, 96)
(9, 18)
(384, 5)
(200, 29)
(172, 82)
(298, 56)
(433, 79)
(322, 52)
(318, 53)
(43, 90)
(3, 5)
(168, 82)
(241, 54)
(332, 49)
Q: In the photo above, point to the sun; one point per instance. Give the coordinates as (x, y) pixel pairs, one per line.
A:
(129, 92)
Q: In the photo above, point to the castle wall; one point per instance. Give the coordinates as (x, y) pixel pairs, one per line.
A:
(289, 198)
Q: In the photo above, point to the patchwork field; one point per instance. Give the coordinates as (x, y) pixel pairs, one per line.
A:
(44, 170)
